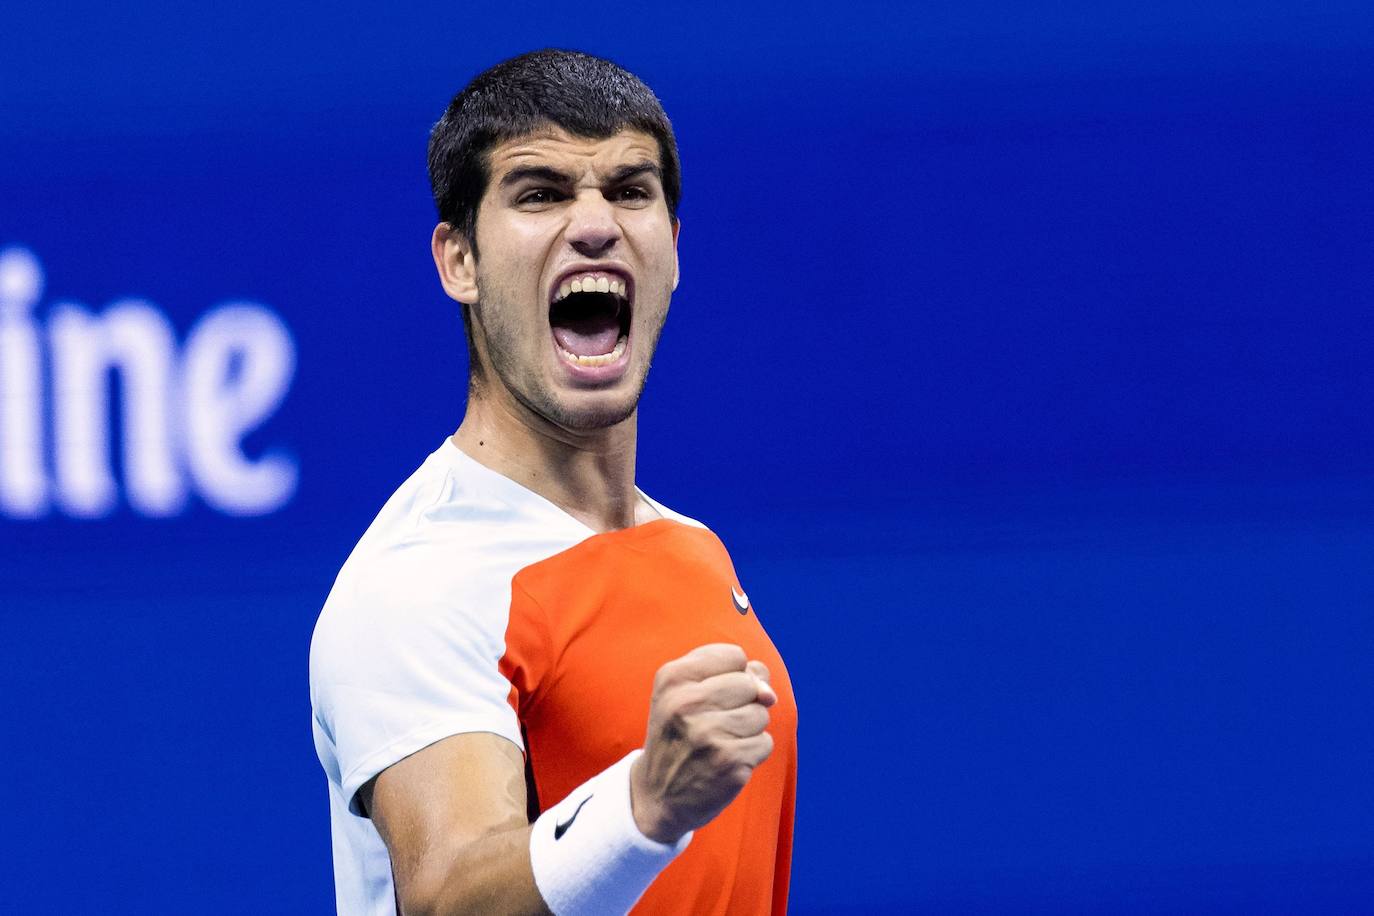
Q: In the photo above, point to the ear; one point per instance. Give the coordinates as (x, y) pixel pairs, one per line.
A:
(455, 263)
(677, 227)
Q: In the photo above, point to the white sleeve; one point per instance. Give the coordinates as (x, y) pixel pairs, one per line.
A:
(407, 652)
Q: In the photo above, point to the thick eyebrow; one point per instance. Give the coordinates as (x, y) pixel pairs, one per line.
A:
(538, 172)
(553, 176)
(634, 170)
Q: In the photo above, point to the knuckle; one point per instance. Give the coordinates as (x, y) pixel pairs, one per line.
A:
(732, 756)
(682, 700)
(726, 656)
(695, 732)
(674, 671)
(725, 686)
(730, 762)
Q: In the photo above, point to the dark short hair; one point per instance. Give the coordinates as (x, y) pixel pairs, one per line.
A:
(586, 96)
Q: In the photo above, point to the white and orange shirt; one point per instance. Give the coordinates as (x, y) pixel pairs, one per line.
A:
(473, 604)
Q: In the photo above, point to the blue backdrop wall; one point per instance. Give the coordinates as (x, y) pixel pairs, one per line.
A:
(1022, 357)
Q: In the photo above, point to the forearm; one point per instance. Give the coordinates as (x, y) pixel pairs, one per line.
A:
(584, 855)
(491, 874)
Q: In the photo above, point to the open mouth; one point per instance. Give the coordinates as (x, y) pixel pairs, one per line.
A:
(590, 318)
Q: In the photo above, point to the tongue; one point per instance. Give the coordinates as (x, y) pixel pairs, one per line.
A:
(594, 335)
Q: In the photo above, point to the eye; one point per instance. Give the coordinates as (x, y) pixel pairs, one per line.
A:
(632, 192)
(538, 196)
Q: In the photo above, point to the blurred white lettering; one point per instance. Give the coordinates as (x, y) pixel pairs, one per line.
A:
(23, 490)
(221, 406)
(134, 338)
(183, 414)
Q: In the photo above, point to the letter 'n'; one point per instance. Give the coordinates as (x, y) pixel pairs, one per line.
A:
(136, 340)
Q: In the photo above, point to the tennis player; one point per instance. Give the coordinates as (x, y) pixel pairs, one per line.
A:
(535, 688)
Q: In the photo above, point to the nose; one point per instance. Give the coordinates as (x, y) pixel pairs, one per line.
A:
(592, 227)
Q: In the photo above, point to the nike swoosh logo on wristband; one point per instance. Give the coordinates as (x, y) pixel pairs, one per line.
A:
(560, 829)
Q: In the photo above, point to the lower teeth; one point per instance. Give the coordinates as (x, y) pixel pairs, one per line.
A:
(601, 360)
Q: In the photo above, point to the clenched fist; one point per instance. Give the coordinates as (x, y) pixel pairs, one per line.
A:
(706, 735)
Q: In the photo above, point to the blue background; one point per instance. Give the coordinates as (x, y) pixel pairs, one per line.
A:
(1022, 357)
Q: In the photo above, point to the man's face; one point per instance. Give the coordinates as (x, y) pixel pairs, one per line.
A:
(578, 260)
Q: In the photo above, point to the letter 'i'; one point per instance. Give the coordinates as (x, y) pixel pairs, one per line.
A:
(23, 484)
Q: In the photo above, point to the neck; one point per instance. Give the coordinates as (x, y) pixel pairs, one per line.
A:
(588, 474)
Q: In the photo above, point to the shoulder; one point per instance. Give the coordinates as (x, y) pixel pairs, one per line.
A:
(672, 515)
(434, 568)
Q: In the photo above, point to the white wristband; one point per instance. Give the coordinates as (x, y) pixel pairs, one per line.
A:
(587, 852)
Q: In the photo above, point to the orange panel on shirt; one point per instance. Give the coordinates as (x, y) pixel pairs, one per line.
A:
(589, 628)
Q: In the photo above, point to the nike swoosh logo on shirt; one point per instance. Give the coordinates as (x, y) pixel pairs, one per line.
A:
(741, 600)
(560, 829)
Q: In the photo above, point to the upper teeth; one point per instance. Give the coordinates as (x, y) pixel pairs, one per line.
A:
(591, 283)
